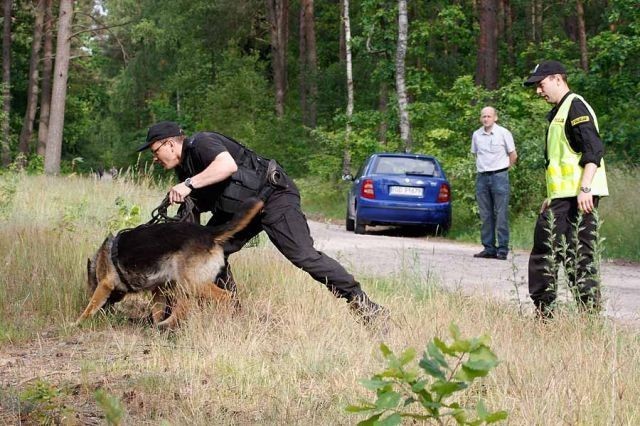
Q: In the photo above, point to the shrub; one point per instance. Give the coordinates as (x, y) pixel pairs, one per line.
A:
(400, 385)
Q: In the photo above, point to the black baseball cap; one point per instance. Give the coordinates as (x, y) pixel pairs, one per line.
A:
(544, 69)
(159, 131)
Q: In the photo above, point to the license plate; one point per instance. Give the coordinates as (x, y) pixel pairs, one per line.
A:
(406, 191)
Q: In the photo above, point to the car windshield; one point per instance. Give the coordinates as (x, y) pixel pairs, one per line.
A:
(405, 166)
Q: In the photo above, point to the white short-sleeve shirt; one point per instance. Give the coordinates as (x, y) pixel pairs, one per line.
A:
(492, 149)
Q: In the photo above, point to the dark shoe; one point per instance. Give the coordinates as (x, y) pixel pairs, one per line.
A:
(501, 256)
(485, 255)
(369, 312)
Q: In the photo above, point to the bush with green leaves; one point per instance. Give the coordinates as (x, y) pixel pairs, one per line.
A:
(43, 402)
(444, 370)
(127, 216)
(111, 406)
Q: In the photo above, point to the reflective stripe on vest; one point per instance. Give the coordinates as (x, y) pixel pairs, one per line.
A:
(564, 173)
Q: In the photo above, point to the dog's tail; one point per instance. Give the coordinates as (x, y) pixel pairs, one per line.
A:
(250, 208)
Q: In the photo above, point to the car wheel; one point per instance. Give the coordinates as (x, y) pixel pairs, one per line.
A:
(349, 223)
(359, 227)
(443, 229)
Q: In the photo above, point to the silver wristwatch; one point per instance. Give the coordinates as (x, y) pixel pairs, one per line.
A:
(188, 183)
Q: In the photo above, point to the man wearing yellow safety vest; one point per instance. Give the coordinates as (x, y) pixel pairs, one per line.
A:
(576, 180)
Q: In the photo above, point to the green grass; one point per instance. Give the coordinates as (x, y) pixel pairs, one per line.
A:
(293, 355)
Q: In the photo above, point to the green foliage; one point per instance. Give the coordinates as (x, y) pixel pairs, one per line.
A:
(71, 215)
(111, 406)
(446, 370)
(126, 216)
(43, 402)
(8, 190)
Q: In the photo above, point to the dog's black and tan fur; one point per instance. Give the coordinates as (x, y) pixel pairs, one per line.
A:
(179, 257)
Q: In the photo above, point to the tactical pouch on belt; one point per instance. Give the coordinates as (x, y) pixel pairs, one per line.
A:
(244, 183)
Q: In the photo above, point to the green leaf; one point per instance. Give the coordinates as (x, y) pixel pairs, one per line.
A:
(418, 386)
(460, 346)
(371, 421)
(468, 375)
(437, 354)
(388, 400)
(432, 368)
(443, 347)
(483, 353)
(447, 388)
(359, 408)
(455, 331)
(496, 417)
(481, 409)
(407, 356)
(373, 384)
(392, 420)
(386, 352)
(460, 416)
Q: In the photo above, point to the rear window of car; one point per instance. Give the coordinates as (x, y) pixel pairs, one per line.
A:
(405, 165)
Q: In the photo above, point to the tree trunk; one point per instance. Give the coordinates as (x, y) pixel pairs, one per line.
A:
(308, 64)
(487, 60)
(279, 24)
(582, 36)
(6, 83)
(346, 158)
(59, 93)
(47, 71)
(537, 20)
(343, 44)
(508, 31)
(401, 52)
(32, 87)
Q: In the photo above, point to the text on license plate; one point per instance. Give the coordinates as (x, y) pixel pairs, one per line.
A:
(410, 191)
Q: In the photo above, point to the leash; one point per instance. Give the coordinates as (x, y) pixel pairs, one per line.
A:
(186, 213)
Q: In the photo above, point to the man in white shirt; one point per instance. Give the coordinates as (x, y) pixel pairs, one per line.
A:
(495, 153)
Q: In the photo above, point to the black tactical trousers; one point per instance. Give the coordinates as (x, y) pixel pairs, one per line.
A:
(285, 224)
(577, 257)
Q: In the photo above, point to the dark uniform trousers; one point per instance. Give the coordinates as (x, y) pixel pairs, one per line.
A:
(285, 224)
(547, 255)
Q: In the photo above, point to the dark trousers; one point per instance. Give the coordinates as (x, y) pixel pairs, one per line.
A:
(285, 224)
(492, 194)
(578, 258)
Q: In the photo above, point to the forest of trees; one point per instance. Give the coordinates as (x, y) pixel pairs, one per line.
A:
(317, 85)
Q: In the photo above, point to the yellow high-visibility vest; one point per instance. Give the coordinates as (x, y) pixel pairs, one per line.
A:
(564, 172)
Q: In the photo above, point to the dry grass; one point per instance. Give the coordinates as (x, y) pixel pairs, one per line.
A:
(293, 355)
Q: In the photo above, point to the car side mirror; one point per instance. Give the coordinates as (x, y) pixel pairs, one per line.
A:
(347, 177)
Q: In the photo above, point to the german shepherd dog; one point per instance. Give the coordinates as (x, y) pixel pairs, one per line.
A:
(177, 258)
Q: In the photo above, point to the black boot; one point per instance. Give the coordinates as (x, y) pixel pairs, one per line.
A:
(226, 282)
(369, 312)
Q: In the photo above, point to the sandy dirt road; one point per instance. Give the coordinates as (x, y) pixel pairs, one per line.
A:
(451, 264)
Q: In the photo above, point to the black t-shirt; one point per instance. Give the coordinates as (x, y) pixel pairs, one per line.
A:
(198, 152)
(581, 132)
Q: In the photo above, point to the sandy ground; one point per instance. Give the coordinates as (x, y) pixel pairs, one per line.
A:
(385, 251)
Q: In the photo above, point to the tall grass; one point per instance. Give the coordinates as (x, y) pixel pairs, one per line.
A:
(293, 355)
(619, 212)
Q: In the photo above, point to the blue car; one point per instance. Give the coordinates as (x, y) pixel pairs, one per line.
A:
(399, 189)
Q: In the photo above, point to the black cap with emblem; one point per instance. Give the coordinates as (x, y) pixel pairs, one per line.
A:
(159, 131)
(544, 69)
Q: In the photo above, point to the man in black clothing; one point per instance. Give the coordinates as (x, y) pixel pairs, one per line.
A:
(219, 173)
(576, 179)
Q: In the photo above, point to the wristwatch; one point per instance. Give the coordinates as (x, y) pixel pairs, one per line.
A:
(188, 183)
(585, 189)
